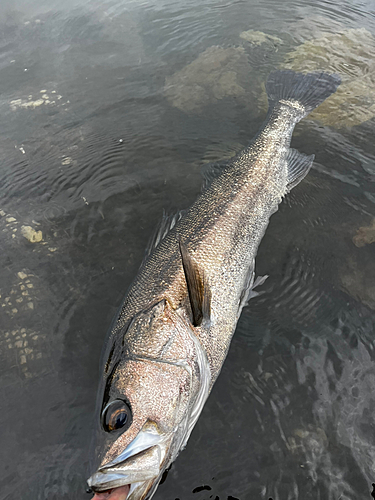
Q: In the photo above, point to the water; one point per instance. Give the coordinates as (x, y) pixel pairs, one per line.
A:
(102, 128)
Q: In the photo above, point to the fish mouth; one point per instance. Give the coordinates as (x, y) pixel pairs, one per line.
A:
(120, 493)
(136, 472)
(128, 480)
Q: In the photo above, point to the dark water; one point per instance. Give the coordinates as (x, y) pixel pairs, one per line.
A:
(103, 126)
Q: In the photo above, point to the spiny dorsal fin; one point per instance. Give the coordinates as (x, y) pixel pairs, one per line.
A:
(198, 290)
(166, 224)
(212, 170)
(298, 166)
(220, 155)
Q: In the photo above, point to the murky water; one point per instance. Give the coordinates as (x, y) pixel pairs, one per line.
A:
(108, 112)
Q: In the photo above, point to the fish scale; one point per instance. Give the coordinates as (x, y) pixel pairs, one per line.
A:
(171, 337)
(223, 242)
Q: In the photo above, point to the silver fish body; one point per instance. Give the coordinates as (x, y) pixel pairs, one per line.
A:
(173, 332)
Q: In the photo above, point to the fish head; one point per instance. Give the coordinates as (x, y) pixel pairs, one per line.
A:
(155, 384)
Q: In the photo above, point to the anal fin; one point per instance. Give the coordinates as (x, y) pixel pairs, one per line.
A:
(298, 166)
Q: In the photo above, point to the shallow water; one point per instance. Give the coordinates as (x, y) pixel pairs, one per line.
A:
(109, 110)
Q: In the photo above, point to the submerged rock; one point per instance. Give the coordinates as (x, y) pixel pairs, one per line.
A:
(215, 74)
(30, 234)
(258, 38)
(351, 54)
(313, 27)
(365, 235)
(310, 442)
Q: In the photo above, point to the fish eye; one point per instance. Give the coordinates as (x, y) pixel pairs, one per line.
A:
(116, 415)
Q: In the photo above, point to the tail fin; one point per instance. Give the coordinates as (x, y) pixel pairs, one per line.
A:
(309, 90)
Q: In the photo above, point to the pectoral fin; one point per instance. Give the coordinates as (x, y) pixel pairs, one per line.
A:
(198, 290)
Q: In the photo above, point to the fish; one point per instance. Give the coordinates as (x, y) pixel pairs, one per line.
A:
(172, 333)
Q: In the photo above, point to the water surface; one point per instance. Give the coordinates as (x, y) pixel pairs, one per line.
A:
(109, 111)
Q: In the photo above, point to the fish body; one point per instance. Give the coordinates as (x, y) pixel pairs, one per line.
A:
(171, 337)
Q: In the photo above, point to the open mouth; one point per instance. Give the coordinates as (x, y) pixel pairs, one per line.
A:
(130, 479)
(120, 493)
(135, 472)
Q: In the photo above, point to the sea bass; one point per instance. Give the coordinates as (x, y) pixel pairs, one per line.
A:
(172, 334)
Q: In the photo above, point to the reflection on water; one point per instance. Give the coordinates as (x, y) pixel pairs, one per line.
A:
(109, 110)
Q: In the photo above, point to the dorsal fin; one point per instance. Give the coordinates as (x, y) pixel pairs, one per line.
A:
(198, 290)
(219, 156)
(166, 224)
(212, 170)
